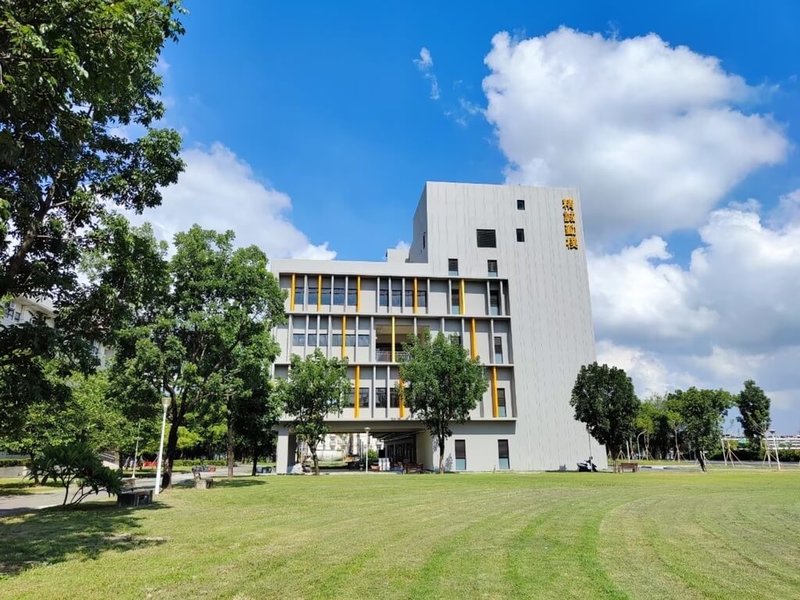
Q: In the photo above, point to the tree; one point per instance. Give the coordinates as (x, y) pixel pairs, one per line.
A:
(702, 413)
(316, 387)
(604, 399)
(754, 412)
(444, 384)
(192, 341)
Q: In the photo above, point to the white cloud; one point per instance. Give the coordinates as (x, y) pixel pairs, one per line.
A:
(218, 190)
(425, 65)
(652, 134)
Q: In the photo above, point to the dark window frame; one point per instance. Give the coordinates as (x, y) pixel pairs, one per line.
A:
(486, 238)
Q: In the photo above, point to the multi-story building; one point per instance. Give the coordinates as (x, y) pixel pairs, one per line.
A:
(500, 267)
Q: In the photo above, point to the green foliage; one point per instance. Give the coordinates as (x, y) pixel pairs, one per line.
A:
(444, 384)
(702, 412)
(604, 399)
(205, 341)
(76, 463)
(316, 387)
(754, 412)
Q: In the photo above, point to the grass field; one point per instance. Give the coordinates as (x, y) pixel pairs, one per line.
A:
(646, 535)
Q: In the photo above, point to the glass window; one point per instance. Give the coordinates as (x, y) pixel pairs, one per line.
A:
(352, 293)
(350, 399)
(494, 302)
(299, 338)
(384, 294)
(312, 339)
(409, 296)
(322, 340)
(422, 298)
(487, 238)
(520, 204)
(338, 296)
(326, 295)
(501, 403)
(336, 340)
(350, 340)
(491, 266)
(455, 304)
(299, 293)
(520, 235)
(363, 340)
(312, 292)
(461, 455)
(502, 454)
(394, 398)
(498, 349)
(10, 311)
(455, 338)
(452, 266)
(363, 397)
(380, 398)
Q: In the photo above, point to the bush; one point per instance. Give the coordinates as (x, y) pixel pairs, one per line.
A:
(192, 462)
(76, 463)
(14, 462)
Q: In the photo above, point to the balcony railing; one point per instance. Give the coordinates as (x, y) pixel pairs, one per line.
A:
(386, 356)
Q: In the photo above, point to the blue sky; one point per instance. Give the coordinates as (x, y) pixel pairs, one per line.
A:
(308, 124)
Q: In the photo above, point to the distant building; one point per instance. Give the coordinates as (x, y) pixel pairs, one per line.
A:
(502, 268)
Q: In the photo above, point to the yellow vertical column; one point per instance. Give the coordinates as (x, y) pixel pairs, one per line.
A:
(319, 292)
(415, 295)
(291, 297)
(401, 394)
(344, 335)
(462, 297)
(495, 410)
(473, 342)
(358, 294)
(393, 338)
(356, 395)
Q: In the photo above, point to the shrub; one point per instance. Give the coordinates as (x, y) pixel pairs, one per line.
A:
(14, 462)
(76, 463)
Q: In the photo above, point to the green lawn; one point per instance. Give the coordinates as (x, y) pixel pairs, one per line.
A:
(15, 486)
(646, 535)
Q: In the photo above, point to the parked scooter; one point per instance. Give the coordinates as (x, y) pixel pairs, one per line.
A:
(587, 466)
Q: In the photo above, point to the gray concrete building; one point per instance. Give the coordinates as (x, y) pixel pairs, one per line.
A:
(502, 268)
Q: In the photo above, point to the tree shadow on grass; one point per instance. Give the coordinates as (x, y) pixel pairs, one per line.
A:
(53, 535)
(239, 482)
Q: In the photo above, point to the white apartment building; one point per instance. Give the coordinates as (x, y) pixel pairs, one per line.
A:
(502, 268)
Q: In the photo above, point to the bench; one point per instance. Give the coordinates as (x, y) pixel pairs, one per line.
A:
(413, 468)
(621, 467)
(135, 497)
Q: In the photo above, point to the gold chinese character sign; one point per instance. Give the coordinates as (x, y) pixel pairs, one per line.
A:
(570, 229)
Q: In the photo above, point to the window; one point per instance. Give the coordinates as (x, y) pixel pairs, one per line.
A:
(350, 400)
(461, 455)
(520, 204)
(312, 339)
(10, 311)
(455, 304)
(380, 398)
(338, 296)
(409, 296)
(312, 293)
(498, 349)
(394, 398)
(491, 266)
(487, 238)
(452, 266)
(352, 293)
(299, 293)
(494, 302)
(520, 235)
(397, 294)
(502, 454)
(363, 340)
(336, 340)
(363, 397)
(501, 403)
(456, 339)
(350, 340)
(422, 298)
(326, 295)
(384, 294)
(322, 340)
(299, 338)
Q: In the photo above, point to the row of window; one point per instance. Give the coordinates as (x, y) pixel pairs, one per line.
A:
(340, 293)
(502, 455)
(487, 238)
(398, 295)
(12, 313)
(452, 267)
(394, 399)
(299, 338)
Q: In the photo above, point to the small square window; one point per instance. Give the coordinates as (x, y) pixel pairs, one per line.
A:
(452, 266)
(487, 238)
(520, 235)
(520, 204)
(492, 267)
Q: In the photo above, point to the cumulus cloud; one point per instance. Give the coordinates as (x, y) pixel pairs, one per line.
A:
(652, 134)
(218, 190)
(425, 66)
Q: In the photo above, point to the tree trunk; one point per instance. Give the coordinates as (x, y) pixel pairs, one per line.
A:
(702, 460)
(313, 450)
(35, 473)
(677, 450)
(230, 444)
(441, 455)
(255, 460)
(172, 445)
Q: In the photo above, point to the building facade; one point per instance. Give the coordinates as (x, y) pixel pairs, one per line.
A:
(500, 267)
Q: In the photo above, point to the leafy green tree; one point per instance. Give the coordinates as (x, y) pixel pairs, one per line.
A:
(191, 343)
(76, 463)
(316, 387)
(444, 384)
(604, 399)
(754, 413)
(703, 413)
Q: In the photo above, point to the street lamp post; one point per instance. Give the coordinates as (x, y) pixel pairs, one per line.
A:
(165, 402)
(775, 445)
(136, 451)
(366, 453)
